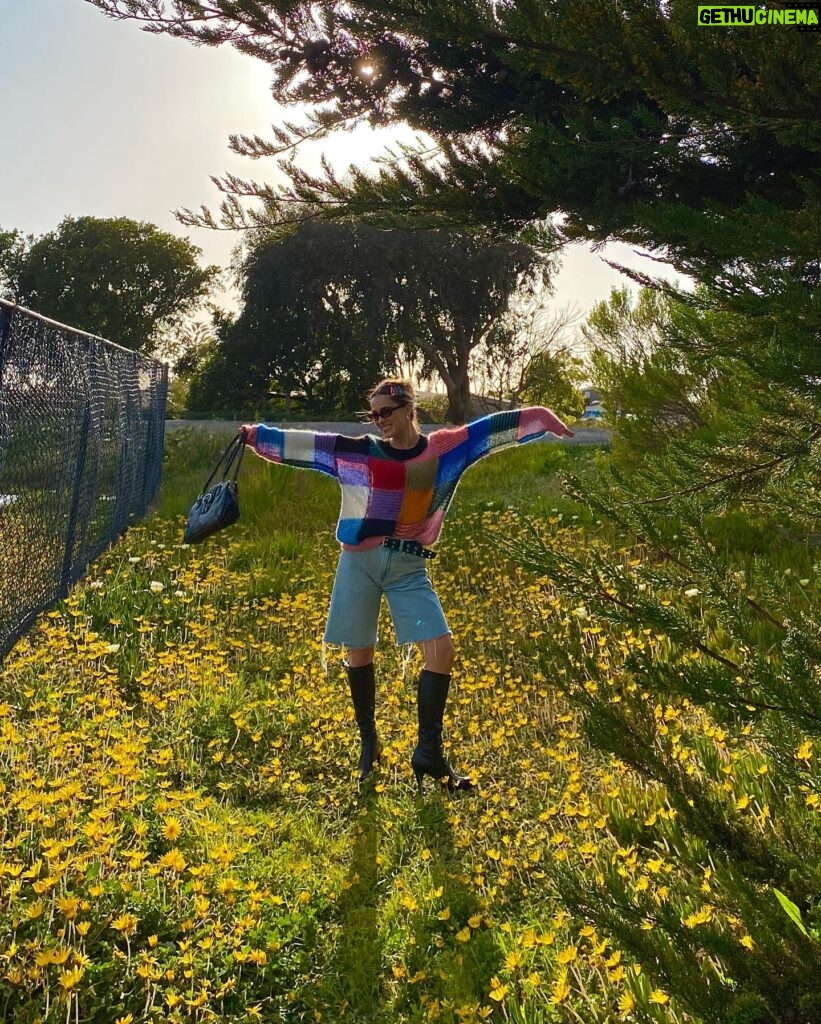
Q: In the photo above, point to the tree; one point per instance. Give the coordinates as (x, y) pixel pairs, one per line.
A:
(310, 323)
(124, 280)
(529, 359)
(553, 378)
(451, 292)
(331, 307)
(12, 250)
(651, 390)
(628, 118)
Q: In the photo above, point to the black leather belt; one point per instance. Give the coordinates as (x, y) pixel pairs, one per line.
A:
(411, 546)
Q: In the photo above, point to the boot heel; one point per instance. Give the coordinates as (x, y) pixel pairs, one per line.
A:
(418, 776)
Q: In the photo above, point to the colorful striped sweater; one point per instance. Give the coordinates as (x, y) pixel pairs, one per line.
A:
(388, 492)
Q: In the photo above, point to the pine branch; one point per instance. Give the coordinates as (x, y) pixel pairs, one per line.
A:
(746, 473)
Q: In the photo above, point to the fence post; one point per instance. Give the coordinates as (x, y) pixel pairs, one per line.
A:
(71, 530)
(6, 317)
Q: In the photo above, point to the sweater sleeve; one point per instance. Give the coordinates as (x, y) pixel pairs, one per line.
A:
(510, 427)
(305, 449)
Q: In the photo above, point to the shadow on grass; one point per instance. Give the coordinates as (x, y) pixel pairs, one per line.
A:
(351, 976)
(457, 973)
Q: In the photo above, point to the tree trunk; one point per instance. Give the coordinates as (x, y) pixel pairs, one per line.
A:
(458, 387)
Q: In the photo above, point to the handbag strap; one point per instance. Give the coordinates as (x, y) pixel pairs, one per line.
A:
(241, 448)
(236, 446)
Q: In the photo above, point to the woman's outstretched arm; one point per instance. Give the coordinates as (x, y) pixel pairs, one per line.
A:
(306, 449)
(500, 430)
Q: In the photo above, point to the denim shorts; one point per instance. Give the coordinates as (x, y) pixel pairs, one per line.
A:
(362, 577)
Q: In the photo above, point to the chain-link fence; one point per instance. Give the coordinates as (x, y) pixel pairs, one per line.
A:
(81, 440)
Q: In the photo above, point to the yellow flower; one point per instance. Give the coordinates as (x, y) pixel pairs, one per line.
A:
(561, 989)
(70, 979)
(463, 935)
(568, 955)
(658, 997)
(173, 860)
(747, 941)
(125, 923)
(804, 752)
(68, 906)
(171, 829)
(513, 961)
(703, 916)
(498, 991)
(444, 915)
(626, 1003)
(128, 1019)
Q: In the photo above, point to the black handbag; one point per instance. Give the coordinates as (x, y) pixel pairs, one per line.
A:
(217, 506)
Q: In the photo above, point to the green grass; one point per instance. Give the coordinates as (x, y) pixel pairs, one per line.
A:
(173, 727)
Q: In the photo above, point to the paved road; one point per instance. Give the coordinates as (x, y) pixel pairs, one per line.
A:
(586, 435)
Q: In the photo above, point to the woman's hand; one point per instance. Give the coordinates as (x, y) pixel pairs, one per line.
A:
(248, 433)
(554, 424)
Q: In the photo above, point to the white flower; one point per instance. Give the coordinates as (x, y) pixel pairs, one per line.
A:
(179, 593)
(95, 584)
(156, 587)
(112, 648)
(134, 559)
(642, 587)
(692, 592)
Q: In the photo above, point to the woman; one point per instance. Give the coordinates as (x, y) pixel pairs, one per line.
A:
(396, 489)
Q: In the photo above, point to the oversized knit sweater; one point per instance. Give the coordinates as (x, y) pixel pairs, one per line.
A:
(387, 492)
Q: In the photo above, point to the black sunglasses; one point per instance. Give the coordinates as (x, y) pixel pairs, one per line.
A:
(383, 414)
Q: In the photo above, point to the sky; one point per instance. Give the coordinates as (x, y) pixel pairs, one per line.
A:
(101, 118)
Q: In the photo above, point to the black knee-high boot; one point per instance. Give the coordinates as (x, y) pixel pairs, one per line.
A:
(362, 682)
(429, 758)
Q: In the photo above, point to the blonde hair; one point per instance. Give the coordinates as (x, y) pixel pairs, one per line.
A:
(399, 388)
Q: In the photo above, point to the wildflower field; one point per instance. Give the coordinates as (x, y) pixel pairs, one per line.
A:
(182, 838)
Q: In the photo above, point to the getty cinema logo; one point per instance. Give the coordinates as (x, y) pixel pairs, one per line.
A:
(800, 14)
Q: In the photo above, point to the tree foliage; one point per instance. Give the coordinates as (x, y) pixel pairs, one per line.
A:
(529, 359)
(124, 280)
(331, 307)
(628, 118)
(12, 251)
(653, 390)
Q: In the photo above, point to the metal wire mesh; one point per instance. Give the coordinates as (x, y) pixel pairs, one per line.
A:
(81, 440)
